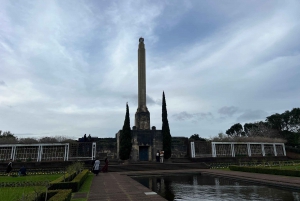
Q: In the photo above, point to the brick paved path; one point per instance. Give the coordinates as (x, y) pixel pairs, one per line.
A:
(113, 186)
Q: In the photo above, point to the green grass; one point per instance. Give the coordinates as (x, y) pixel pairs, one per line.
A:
(15, 193)
(87, 184)
(49, 177)
(290, 167)
(85, 188)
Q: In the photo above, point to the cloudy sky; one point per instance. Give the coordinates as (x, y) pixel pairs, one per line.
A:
(68, 67)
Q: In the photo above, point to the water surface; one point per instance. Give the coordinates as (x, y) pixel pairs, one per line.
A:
(204, 187)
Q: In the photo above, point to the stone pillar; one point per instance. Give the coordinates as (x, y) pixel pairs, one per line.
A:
(232, 150)
(249, 149)
(275, 152)
(142, 115)
(263, 149)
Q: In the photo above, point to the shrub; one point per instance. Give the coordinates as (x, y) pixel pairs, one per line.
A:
(57, 195)
(74, 184)
(293, 173)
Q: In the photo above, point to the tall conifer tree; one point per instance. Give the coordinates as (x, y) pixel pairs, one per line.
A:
(167, 139)
(125, 138)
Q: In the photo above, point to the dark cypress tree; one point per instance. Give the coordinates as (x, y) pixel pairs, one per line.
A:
(125, 138)
(167, 139)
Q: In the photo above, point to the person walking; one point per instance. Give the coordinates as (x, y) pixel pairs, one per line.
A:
(105, 167)
(157, 156)
(161, 155)
(96, 167)
(9, 167)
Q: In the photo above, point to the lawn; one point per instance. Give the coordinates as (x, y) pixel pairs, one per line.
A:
(15, 193)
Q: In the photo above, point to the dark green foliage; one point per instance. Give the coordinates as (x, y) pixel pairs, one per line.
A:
(285, 125)
(235, 130)
(262, 170)
(289, 120)
(292, 149)
(292, 138)
(196, 137)
(167, 139)
(125, 138)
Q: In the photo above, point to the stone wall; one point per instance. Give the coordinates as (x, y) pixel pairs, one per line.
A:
(106, 147)
(180, 147)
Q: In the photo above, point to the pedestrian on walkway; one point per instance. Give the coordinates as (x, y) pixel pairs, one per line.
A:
(161, 155)
(9, 167)
(157, 156)
(96, 167)
(105, 167)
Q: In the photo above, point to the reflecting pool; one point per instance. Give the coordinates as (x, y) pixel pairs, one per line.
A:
(204, 187)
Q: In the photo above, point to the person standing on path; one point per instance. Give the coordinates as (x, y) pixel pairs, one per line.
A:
(105, 167)
(157, 156)
(96, 167)
(9, 167)
(161, 155)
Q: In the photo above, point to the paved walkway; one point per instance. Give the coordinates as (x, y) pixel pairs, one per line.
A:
(115, 186)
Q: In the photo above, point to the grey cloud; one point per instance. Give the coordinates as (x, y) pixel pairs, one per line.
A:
(228, 111)
(252, 115)
(2, 83)
(185, 116)
(133, 98)
(151, 101)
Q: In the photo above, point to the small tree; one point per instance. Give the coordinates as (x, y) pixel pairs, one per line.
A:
(167, 139)
(235, 130)
(125, 138)
(7, 137)
(196, 137)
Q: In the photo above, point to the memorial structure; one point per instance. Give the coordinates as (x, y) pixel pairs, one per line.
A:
(145, 141)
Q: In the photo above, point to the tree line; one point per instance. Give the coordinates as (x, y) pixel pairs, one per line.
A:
(285, 125)
(7, 137)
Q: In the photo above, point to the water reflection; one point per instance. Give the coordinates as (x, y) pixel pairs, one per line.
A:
(203, 187)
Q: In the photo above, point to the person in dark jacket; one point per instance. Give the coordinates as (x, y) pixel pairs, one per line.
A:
(22, 171)
(9, 167)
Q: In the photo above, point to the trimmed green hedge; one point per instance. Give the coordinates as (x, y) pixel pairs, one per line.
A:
(66, 177)
(293, 173)
(62, 195)
(74, 184)
(57, 195)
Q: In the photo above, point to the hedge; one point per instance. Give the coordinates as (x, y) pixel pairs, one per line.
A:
(74, 184)
(293, 173)
(66, 177)
(52, 195)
